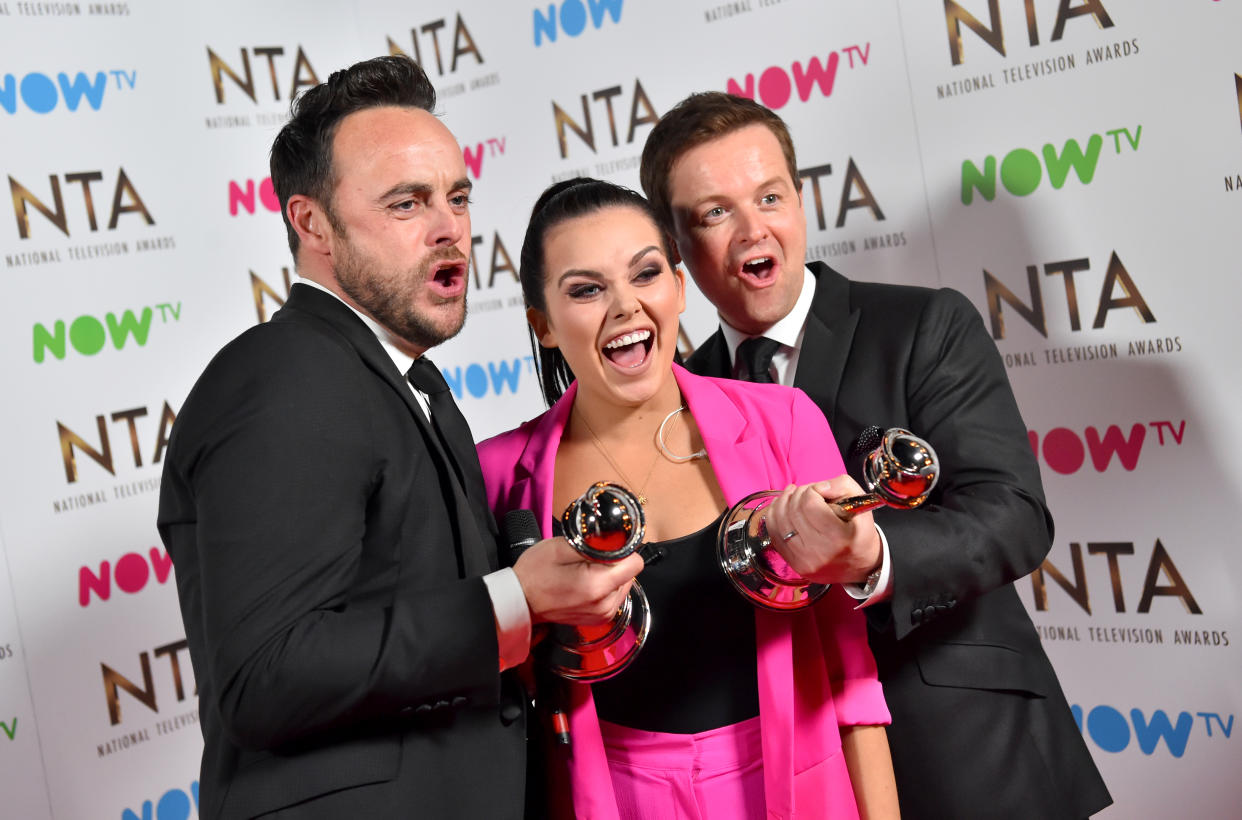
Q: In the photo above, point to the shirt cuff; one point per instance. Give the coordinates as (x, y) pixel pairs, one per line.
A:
(884, 587)
(512, 616)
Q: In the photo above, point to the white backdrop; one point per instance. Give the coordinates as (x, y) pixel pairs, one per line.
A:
(1073, 168)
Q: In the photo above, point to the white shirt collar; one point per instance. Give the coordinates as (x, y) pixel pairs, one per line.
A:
(788, 331)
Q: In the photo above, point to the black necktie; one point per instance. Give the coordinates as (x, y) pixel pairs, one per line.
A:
(757, 354)
(446, 418)
(458, 444)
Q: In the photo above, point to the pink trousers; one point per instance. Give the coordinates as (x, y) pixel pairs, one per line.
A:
(715, 775)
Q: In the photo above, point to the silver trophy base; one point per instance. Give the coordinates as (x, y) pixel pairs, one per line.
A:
(745, 553)
(589, 654)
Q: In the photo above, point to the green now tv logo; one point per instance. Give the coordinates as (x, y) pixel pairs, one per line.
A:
(1022, 170)
(88, 334)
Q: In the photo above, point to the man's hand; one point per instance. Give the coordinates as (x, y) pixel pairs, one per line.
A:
(825, 548)
(563, 587)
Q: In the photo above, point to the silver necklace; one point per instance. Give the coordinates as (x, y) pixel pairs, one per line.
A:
(669, 454)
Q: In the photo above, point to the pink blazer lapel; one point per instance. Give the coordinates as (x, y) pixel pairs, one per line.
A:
(536, 466)
(732, 446)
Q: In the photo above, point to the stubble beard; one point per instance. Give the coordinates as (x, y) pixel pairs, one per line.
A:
(392, 297)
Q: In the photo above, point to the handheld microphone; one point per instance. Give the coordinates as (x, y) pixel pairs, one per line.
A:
(867, 441)
(521, 531)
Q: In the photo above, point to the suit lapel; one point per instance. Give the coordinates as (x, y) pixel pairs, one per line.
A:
(733, 447)
(826, 344)
(475, 525)
(712, 358)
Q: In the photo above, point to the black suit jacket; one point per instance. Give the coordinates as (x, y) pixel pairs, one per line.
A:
(328, 565)
(980, 725)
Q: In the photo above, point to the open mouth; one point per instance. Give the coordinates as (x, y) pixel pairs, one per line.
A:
(449, 278)
(629, 350)
(760, 269)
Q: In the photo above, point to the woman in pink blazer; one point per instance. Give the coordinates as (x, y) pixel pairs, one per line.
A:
(729, 711)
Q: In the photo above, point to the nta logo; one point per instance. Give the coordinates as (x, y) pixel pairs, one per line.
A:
(1160, 562)
(573, 18)
(175, 804)
(9, 728)
(71, 442)
(41, 94)
(125, 199)
(88, 335)
(853, 183)
(463, 44)
(776, 88)
(587, 132)
(1109, 729)
(955, 17)
(1115, 276)
(1237, 81)
(303, 72)
(1021, 171)
(131, 574)
(114, 681)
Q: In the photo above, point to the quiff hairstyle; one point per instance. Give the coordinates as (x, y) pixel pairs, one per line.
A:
(301, 157)
(695, 120)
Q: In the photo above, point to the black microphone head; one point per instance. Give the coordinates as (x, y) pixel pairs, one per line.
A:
(521, 530)
(869, 439)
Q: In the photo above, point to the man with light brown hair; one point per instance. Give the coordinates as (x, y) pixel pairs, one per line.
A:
(980, 725)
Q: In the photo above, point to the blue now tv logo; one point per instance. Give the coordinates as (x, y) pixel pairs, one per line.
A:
(573, 17)
(1110, 729)
(41, 93)
(174, 804)
(479, 379)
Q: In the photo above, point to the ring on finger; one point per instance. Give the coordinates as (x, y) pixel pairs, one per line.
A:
(789, 535)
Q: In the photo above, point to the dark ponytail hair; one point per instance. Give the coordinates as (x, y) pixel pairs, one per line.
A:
(562, 202)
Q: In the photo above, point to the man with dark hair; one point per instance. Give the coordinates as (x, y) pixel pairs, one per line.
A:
(980, 725)
(337, 566)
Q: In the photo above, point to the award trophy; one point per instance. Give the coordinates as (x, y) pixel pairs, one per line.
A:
(604, 524)
(899, 471)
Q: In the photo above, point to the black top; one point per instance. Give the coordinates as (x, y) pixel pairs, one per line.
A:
(697, 669)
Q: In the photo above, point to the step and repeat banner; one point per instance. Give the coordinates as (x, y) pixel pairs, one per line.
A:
(1074, 168)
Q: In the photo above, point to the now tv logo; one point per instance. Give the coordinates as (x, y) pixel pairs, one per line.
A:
(41, 95)
(88, 335)
(1066, 452)
(242, 196)
(174, 804)
(131, 573)
(1108, 727)
(573, 18)
(493, 147)
(481, 378)
(775, 87)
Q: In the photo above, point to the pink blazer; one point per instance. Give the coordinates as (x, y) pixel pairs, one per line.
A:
(757, 437)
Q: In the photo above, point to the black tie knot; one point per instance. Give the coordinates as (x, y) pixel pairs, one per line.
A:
(756, 353)
(424, 375)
